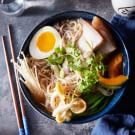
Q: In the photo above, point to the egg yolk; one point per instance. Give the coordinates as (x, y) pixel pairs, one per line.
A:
(46, 41)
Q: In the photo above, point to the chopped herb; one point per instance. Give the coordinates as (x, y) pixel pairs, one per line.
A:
(90, 73)
(89, 68)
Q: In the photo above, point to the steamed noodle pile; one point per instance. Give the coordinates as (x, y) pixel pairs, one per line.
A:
(44, 72)
(70, 30)
(61, 99)
(58, 95)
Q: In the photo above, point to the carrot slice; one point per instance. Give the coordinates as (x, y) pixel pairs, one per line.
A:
(115, 65)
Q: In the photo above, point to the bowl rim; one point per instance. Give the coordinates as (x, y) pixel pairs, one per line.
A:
(104, 110)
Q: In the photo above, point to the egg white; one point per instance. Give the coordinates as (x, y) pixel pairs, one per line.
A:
(33, 49)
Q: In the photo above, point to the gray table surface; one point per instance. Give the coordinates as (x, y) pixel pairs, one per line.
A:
(39, 125)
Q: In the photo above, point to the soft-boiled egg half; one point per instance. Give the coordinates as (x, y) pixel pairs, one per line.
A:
(44, 42)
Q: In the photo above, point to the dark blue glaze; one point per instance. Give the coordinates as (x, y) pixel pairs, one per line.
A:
(120, 43)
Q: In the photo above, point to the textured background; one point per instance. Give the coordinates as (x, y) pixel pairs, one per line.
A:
(39, 125)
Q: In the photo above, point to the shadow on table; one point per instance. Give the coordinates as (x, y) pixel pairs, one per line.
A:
(45, 7)
(34, 11)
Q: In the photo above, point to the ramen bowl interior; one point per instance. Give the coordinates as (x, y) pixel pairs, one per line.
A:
(126, 67)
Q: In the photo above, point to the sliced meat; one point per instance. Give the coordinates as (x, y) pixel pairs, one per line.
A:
(84, 47)
(89, 40)
(115, 66)
(109, 44)
(90, 34)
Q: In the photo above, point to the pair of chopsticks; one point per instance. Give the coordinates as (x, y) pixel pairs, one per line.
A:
(20, 115)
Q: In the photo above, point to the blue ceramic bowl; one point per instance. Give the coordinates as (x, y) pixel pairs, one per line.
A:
(126, 65)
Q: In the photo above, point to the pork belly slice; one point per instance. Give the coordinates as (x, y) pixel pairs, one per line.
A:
(109, 45)
(84, 46)
(89, 40)
(91, 35)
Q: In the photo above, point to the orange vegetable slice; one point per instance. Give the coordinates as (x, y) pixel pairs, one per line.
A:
(115, 65)
(115, 81)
